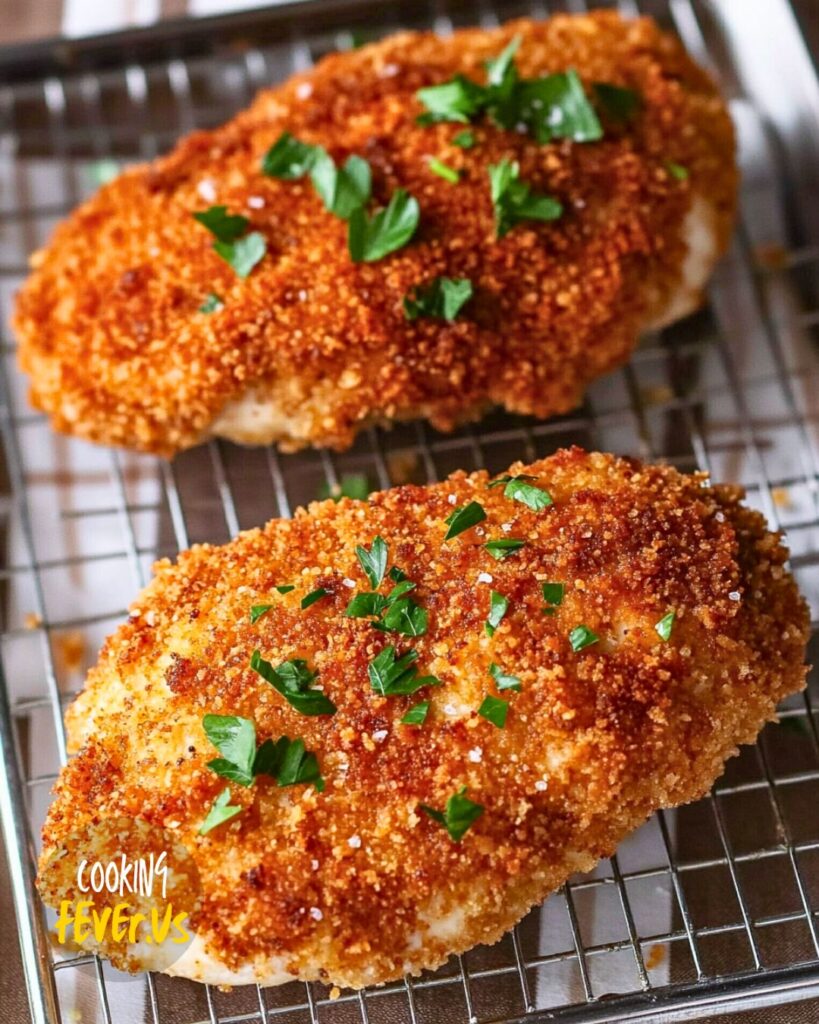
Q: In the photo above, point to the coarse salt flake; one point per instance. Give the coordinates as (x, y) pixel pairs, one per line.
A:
(475, 755)
(379, 735)
(734, 595)
(348, 582)
(354, 841)
(316, 914)
(484, 577)
(451, 498)
(255, 202)
(540, 785)
(207, 190)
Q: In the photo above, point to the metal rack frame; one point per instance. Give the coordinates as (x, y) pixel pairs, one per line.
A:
(693, 396)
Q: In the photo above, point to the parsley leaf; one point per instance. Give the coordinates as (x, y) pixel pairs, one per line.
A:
(366, 604)
(313, 596)
(494, 710)
(290, 159)
(617, 102)
(553, 593)
(284, 588)
(417, 714)
(352, 485)
(373, 238)
(460, 813)
(498, 607)
(503, 680)
(404, 616)
(344, 189)
(235, 739)
(463, 518)
(677, 171)
(551, 107)
(581, 636)
(457, 100)
(292, 679)
(224, 226)
(392, 677)
(221, 811)
(665, 625)
(257, 611)
(503, 548)
(519, 489)
(212, 304)
(514, 200)
(289, 763)
(397, 575)
(444, 171)
(244, 253)
(374, 561)
(464, 139)
(443, 297)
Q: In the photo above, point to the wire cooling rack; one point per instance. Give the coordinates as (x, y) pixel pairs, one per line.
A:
(709, 907)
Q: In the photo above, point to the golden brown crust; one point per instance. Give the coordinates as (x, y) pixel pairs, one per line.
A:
(108, 321)
(594, 742)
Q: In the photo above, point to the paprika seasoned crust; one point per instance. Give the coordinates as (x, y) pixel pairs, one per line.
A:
(357, 884)
(312, 346)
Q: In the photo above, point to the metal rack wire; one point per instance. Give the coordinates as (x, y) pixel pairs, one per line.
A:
(710, 907)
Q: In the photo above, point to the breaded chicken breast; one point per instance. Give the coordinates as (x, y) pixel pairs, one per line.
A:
(402, 232)
(494, 682)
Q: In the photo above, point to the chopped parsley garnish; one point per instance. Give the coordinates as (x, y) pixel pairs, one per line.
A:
(463, 518)
(373, 238)
(313, 596)
(520, 489)
(665, 625)
(553, 593)
(285, 588)
(289, 159)
(417, 714)
(241, 761)
(288, 763)
(258, 610)
(464, 139)
(342, 189)
(514, 200)
(240, 251)
(212, 304)
(235, 739)
(374, 561)
(403, 616)
(503, 680)
(494, 710)
(397, 575)
(224, 226)
(293, 679)
(221, 811)
(457, 100)
(677, 171)
(363, 605)
(498, 607)
(503, 548)
(551, 107)
(459, 814)
(444, 171)
(616, 102)
(444, 297)
(392, 677)
(352, 485)
(581, 636)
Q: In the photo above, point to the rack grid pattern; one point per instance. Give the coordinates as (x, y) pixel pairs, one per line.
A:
(712, 905)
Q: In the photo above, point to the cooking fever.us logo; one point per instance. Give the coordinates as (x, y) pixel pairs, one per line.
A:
(126, 890)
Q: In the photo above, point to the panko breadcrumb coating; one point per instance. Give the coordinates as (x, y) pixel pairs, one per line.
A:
(311, 346)
(700, 632)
